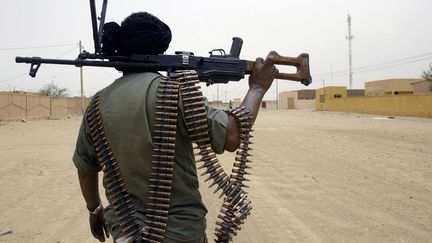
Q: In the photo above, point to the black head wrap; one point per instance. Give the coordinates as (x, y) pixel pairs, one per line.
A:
(140, 33)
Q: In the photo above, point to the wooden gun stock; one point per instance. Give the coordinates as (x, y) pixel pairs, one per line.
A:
(301, 63)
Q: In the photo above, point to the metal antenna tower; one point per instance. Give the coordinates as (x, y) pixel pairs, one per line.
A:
(349, 37)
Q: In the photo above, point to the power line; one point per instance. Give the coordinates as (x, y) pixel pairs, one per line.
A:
(394, 65)
(73, 48)
(35, 47)
(18, 76)
(381, 65)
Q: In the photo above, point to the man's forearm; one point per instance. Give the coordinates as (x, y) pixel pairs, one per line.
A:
(260, 81)
(90, 189)
(252, 101)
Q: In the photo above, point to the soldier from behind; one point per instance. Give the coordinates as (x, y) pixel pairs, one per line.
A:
(127, 110)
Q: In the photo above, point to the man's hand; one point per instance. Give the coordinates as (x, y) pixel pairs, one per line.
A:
(90, 190)
(263, 74)
(98, 226)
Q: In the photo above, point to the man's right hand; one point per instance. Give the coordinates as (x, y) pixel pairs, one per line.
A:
(263, 74)
(98, 226)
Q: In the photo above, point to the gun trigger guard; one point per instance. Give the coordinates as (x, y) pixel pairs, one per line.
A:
(34, 67)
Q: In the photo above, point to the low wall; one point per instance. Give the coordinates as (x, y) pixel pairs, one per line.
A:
(18, 105)
(397, 105)
(305, 104)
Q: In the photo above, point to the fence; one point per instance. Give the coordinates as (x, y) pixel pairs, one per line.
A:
(24, 105)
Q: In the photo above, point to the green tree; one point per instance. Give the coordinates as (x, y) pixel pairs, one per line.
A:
(427, 75)
(52, 89)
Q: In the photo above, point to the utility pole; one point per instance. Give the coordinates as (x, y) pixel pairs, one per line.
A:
(217, 97)
(81, 81)
(349, 37)
(277, 95)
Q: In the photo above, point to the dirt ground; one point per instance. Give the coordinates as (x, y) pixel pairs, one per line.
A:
(316, 177)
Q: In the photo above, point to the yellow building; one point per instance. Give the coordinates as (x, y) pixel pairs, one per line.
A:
(390, 87)
(328, 94)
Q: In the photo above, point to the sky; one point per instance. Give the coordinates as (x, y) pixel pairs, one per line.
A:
(392, 38)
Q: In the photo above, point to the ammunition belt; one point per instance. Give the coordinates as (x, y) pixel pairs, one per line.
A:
(163, 161)
(236, 206)
(113, 179)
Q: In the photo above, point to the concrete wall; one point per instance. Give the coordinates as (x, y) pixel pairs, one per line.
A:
(400, 105)
(19, 105)
(305, 104)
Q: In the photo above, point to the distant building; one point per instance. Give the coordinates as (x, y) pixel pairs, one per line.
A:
(236, 102)
(268, 104)
(422, 87)
(299, 99)
(390, 87)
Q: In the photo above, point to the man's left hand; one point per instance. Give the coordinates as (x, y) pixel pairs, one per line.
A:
(98, 226)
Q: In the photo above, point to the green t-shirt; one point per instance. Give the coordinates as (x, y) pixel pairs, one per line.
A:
(128, 115)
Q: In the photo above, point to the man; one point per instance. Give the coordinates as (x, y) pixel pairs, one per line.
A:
(127, 108)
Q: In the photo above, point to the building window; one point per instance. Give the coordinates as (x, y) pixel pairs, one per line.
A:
(338, 96)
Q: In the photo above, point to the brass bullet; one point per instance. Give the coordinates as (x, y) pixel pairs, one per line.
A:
(160, 193)
(155, 223)
(160, 187)
(163, 151)
(162, 145)
(158, 199)
(163, 163)
(157, 175)
(158, 218)
(166, 182)
(165, 114)
(162, 169)
(199, 121)
(158, 205)
(156, 211)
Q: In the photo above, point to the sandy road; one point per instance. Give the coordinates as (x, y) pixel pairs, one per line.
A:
(317, 177)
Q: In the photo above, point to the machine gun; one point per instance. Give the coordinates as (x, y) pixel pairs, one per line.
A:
(217, 68)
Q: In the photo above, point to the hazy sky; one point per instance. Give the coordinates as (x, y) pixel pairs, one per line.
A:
(392, 38)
